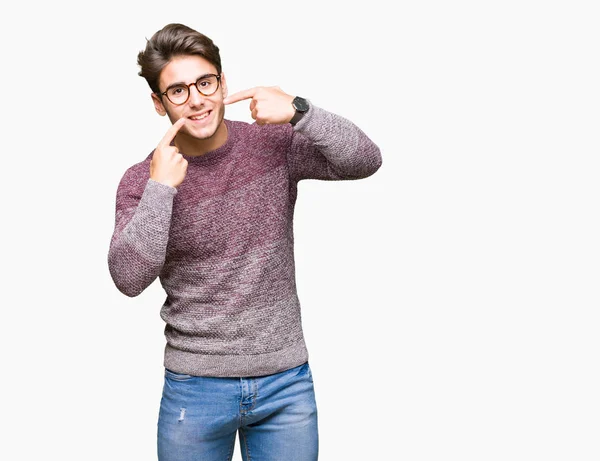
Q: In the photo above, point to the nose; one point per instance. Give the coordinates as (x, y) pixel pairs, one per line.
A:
(196, 98)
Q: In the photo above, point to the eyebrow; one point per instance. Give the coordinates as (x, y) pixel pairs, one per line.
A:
(172, 85)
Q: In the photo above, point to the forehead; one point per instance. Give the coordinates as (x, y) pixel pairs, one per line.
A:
(185, 69)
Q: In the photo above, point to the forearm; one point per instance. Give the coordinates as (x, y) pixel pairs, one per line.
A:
(137, 251)
(349, 153)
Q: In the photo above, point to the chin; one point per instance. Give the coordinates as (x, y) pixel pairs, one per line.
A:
(203, 133)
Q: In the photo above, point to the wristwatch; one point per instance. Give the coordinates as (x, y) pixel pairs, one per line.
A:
(301, 106)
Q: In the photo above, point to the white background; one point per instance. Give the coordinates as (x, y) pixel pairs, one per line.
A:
(450, 302)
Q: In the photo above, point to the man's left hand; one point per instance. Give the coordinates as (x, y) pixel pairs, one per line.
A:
(269, 105)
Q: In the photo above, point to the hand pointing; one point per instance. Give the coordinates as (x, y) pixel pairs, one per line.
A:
(167, 165)
(269, 105)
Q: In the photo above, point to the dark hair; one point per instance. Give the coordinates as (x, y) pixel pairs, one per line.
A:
(171, 41)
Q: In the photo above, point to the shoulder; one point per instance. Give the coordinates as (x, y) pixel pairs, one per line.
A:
(137, 175)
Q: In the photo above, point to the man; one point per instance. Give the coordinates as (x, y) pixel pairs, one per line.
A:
(209, 212)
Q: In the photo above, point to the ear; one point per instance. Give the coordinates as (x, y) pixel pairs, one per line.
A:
(223, 85)
(158, 105)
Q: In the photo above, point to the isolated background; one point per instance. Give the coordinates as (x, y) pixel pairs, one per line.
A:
(450, 301)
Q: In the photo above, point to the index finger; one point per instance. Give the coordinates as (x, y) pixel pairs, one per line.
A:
(171, 132)
(240, 96)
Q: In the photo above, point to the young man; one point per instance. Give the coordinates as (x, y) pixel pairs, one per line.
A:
(209, 212)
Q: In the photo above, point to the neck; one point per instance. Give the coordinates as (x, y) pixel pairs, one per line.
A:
(194, 147)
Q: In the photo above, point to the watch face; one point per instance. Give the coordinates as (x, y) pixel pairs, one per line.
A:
(300, 104)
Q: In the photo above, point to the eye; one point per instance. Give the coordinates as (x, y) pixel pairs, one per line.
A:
(177, 91)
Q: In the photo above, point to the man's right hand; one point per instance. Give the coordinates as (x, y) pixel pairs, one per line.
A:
(167, 165)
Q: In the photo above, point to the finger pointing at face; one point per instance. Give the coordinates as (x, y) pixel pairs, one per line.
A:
(240, 96)
(171, 132)
(269, 105)
(167, 165)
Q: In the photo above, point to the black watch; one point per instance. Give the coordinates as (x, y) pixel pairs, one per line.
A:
(301, 106)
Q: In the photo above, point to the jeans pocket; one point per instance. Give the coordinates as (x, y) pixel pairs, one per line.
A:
(177, 376)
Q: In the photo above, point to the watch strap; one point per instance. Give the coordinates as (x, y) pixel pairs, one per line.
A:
(301, 106)
(297, 117)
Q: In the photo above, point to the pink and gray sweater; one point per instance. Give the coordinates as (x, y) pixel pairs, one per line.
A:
(221, 243)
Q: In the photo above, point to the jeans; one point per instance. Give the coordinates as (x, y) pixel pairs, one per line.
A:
(276, 417)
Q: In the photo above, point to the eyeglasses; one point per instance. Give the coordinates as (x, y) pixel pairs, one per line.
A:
(206, 86)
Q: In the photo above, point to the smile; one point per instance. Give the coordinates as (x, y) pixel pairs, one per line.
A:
(201, 116)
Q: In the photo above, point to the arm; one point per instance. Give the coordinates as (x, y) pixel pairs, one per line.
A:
(323, 146)
(138, 245)
(143, 217)
(327, 146)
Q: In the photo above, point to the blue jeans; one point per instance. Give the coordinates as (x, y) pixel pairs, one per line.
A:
(276, 417)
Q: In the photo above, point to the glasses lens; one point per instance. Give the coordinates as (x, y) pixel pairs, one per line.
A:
(178, 94)
(207, 85)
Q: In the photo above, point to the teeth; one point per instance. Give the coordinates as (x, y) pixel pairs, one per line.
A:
(199, 117)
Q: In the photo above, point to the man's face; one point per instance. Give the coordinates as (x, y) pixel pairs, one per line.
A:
(204, 114)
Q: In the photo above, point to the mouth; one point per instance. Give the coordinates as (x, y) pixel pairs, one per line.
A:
(197, 118)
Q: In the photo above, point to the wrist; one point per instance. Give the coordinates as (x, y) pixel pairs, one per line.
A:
(300, 106)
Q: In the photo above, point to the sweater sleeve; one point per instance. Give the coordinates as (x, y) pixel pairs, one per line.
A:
(329, 147)
(139, 242)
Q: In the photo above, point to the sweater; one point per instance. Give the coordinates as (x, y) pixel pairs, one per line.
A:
(222, 242)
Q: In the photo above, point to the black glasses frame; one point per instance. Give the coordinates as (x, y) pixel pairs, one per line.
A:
(218, 77)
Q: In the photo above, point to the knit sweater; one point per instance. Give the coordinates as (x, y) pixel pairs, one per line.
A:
(221, 243)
